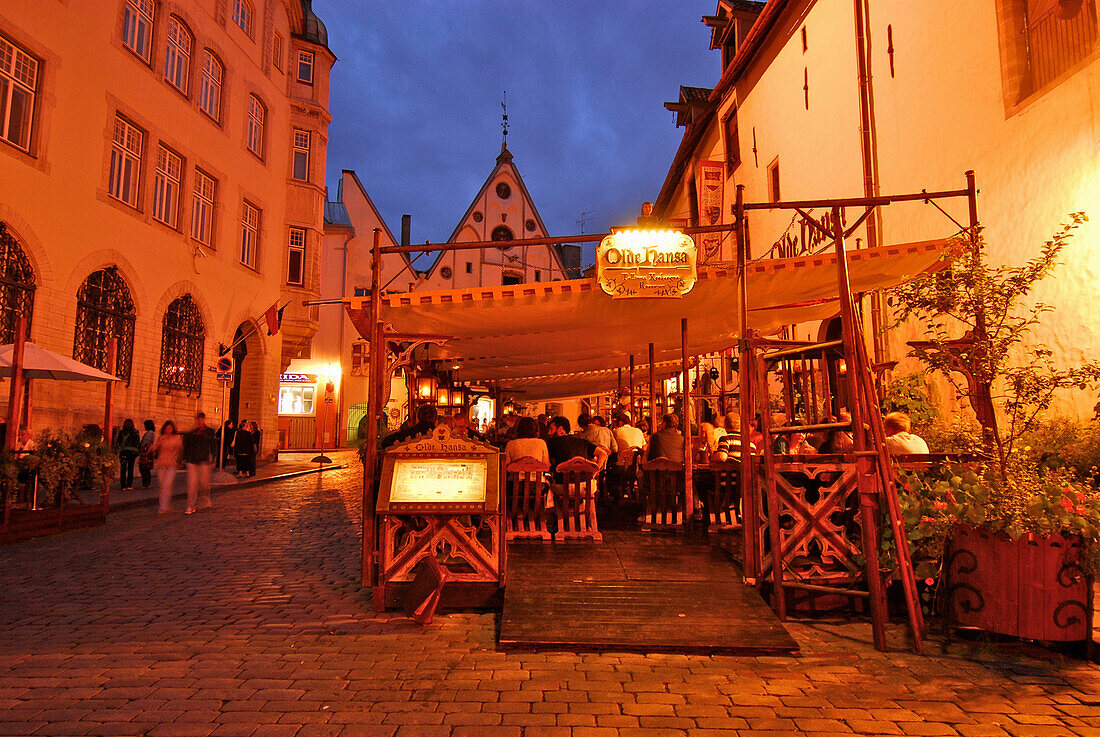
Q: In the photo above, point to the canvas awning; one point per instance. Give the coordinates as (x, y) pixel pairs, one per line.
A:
(568, 338)
(40, 363)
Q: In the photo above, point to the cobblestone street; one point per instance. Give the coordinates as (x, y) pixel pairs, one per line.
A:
(248, 620)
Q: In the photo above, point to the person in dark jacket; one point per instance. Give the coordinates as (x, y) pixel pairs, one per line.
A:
(198, 454)
(145, 454)
(244, 451)
(427, 417)
(128, 443)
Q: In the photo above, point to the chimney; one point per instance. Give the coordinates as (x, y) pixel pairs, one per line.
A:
(406, 229)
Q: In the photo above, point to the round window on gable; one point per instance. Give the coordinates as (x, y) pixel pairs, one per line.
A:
(478, 217)
(530, 225)
(504, 191)
(502, 233)
(446, 272)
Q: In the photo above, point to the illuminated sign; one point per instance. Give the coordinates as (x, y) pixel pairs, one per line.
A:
(297, 378)
(646, 263)
(438, 481)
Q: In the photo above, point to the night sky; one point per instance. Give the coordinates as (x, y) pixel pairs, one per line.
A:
(417, 89)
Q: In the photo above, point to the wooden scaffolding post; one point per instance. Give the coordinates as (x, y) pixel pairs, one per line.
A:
(15, 389)
(109, 399)
(749, 487)
(634, 413)
(369, 572)
(652, 390)
(685, 399)
(859, 409)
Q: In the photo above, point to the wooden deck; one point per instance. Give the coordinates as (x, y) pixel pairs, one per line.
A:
(638, 592)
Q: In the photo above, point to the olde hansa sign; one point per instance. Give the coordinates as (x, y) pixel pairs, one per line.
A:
(646, 263)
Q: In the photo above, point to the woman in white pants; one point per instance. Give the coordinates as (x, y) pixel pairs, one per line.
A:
(167, 450)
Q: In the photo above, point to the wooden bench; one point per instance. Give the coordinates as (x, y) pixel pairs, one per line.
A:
(662, 494)
(525, 494)
(575, 500)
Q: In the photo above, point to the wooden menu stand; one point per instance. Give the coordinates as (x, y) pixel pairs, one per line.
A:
(439, 500)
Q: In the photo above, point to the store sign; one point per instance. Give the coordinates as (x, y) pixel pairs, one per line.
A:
(297, 378)
(646, 263)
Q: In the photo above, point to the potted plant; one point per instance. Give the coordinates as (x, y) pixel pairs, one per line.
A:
(1020, 534)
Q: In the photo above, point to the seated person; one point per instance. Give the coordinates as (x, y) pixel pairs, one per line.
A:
(729, 447)
(592, 430)
(626, 435)
(427, 417)
(837, 440)
(460, 427)
(528, 444)
(899, 438)
(667, 442)
(562, 446)
(793, 443)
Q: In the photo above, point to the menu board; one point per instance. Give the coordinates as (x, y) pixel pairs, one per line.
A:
(420, 480)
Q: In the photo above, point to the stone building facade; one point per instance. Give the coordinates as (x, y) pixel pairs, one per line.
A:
(163, 183)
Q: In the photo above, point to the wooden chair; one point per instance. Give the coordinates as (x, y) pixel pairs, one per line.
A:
(662, 494)
(723, 499)
(526, 499)
(623, 480)
(575, 500)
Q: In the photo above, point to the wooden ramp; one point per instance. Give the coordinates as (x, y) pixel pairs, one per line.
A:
(637, 592)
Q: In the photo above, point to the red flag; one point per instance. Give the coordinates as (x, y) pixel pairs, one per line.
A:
(273, 316)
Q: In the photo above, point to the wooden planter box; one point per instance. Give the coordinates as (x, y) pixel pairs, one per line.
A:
(1034, 588)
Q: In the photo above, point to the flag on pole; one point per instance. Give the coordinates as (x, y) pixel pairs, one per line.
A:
(274, 317)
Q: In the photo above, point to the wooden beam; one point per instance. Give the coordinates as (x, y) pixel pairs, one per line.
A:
(370, 458)
(15, 390)
(685, 399)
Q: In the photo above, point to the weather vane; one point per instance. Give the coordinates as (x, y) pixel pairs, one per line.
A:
(504, 119)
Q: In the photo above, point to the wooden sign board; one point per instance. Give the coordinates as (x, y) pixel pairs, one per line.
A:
(636, 262)
(439, 474)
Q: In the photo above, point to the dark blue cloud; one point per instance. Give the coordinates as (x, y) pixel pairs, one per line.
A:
(416, 102)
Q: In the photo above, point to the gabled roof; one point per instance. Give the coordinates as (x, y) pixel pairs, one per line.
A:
(692, 102)
(503, 159)
(336, 213)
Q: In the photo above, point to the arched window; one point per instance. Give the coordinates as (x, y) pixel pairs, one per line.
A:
(255, 133)
(104, 309)
(16, 285)
(177, 56)
(210, 86)
(182, 345)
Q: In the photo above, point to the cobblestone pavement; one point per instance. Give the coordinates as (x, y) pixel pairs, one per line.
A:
(248, 620)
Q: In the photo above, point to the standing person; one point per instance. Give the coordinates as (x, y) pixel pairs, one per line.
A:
(243, 450)
(257, 438)
(166, 452)
(224, 437)
(145, 454)
(128, 442)
(198, 453)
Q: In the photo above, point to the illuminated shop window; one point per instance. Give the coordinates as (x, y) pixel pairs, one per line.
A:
(296, 400)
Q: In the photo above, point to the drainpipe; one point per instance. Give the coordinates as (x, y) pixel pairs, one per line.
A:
(869, 152)
(340, 410)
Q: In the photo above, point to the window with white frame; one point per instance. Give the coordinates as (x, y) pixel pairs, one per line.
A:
(296, 400)
(177, 55)
(250, 234)
(305, 67)
(137, 27)
(301, 154)
(277, 51)
(254, 137)
(242, 15)
(210, 86)
(296, 257)
(18, 82)
(125, 174)
(166, 187)
(202, 208)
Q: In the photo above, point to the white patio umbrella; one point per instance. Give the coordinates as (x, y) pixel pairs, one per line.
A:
(39, 363)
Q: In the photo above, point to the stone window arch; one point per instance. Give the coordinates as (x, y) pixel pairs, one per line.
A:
(105, 310)
(183, 341)
(17, 285)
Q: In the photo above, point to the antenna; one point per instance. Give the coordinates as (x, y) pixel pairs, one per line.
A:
(504, 120)
(583, 219)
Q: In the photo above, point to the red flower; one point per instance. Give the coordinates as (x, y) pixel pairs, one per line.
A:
(1080, 496)
(1067, 504)
(906, 486)
(940, 505)
(1080, 509)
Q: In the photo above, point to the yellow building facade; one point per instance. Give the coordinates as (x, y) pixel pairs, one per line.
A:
(162, 168)
(1007, 88)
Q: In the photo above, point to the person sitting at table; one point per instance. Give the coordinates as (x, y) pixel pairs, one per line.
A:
(528, 444)
(562, 446)
(793, 443)
(427, 417)
(899, 437)
(667, 442)
(837, 440)
(460, 427)
(729, 447)
(626, 435)
(597, 433)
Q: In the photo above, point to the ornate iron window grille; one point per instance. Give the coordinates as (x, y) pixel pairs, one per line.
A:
(182, 346)
(16, 285)
(104, 308)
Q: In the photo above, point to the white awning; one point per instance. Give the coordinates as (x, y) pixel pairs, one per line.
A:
(568, 338)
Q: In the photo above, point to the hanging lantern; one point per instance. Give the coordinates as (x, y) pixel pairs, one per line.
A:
(425, 387)
(458, 397)
(442, 396)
